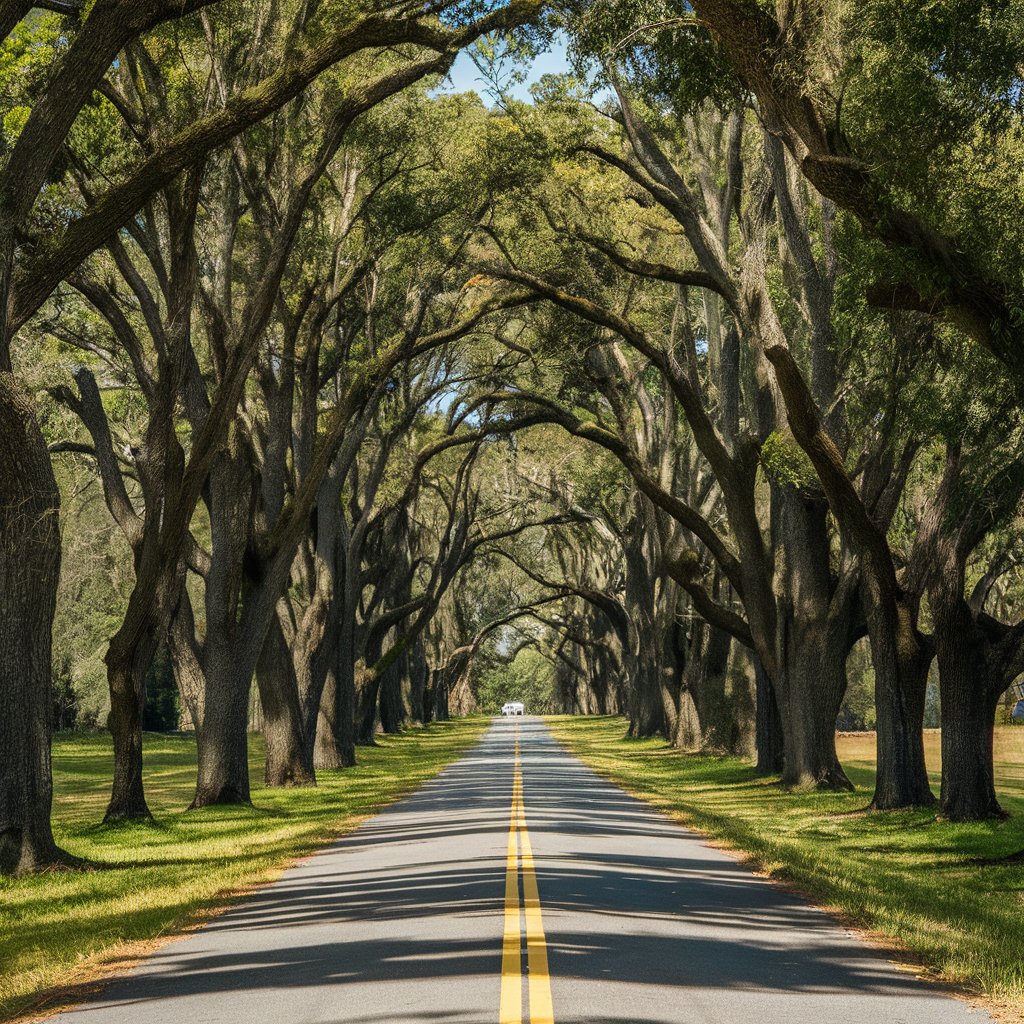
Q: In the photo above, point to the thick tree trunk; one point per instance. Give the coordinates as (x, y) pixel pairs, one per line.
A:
(969, 700)
(29, 573)
(648, 717)
(440, 692)
(688, 733)
(813, 690)
(126, 677)
(289, 758)
(335, 733)
(901, 657)
(712, 721)
(367, 690)
(391, 711)
(968, 783)
(417, 684)
(647, 710)
(741, 691)
(768, 730)
(222, 739)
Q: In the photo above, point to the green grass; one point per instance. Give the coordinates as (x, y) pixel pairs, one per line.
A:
(906, 876)
(59, 929)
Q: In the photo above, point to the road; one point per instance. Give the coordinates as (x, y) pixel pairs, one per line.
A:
(520, 887)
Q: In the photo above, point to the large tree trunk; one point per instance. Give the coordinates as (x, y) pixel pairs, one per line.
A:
(336, 723)
(289, 758)
(128, 660)
(969, 699)
(768, 726)
(647, 716)
(29, 574)
(741, 691)
(222, 739)
(901, 657)
(813, 689)
(647, 709)
(440, 687)
(367, 688)
(391, 711)
(810, 639)
(417, 683)
(712, 722)
(336, 733)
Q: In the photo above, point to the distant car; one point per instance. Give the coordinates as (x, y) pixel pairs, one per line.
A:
(513, 707)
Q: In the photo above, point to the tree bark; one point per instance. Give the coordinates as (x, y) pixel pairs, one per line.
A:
(127, 666)
(367, 690)
(29, 573)
(812, 691)
(969, 689)
(222, 739)
(768, 726)
(289, 758)
(901, 656)
(391, 711)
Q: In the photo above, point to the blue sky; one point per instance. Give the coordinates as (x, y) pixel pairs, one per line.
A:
(466, 77)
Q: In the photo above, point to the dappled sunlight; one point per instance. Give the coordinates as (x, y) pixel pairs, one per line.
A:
(153, 876)
(401, 920)
(905, 874)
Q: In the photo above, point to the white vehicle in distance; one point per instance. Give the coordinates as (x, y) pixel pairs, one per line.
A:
(513, 707)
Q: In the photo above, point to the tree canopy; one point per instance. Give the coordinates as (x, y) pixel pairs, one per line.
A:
(332, 402)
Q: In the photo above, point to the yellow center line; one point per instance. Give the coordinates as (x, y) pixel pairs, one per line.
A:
(539, 987)
(511, 1008)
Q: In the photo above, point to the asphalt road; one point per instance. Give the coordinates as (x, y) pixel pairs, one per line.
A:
(521, 887)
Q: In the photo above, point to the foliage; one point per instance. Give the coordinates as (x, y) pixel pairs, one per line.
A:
(786, 462)
(528, 678)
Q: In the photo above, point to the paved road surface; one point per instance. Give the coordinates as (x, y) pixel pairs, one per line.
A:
(430, 913)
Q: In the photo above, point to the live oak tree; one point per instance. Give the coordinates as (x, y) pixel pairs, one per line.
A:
(85, 54)
(685, 387)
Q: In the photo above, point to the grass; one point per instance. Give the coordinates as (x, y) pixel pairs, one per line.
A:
(62, 929)
(909, 878)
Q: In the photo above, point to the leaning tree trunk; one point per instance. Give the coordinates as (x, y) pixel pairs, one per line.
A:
(29, 574)
(289, 758)
(969, 700)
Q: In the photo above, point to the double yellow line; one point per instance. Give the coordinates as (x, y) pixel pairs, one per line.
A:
(520, 854)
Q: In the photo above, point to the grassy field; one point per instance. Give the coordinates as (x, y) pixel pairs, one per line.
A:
(913, 880)
(62, 929)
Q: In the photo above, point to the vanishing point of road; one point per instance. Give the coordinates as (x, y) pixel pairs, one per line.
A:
(517, 887)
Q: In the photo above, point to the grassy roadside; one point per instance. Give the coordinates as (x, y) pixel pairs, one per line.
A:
(59, 930)
(907, 877)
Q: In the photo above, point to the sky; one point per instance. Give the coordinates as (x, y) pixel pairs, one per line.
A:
(465, 77)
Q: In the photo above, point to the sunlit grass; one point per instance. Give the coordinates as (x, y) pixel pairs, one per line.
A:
(907, 876)
(55, 928)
